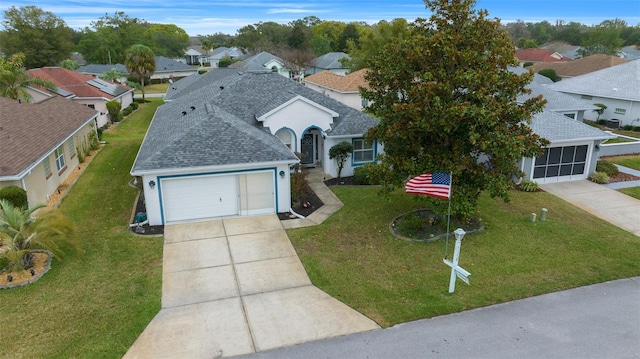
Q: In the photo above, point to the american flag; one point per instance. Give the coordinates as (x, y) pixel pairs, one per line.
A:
(435, 185)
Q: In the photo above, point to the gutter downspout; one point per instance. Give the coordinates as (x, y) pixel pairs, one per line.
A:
(296, 214)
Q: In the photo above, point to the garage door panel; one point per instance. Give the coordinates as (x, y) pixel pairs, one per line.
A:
(199, 197)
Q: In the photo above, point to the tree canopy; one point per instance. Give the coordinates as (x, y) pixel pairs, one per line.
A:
(43, 38)
(14, 80)
(447, 103)
(140, 61)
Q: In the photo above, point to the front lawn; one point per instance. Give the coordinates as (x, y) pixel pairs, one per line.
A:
(92, 305)
(353, 257)
(631, 191)
(631, 161)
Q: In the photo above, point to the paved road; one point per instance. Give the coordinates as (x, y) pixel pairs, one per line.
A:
(598, 321)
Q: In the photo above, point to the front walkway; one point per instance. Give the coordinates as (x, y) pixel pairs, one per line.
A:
(236, 286)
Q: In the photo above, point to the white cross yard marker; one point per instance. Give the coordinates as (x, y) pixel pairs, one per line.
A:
(456, 270)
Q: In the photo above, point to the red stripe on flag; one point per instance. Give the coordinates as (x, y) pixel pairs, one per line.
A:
(435, 185)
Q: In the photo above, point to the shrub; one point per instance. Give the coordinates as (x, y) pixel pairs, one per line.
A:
(527, 64)
(636, 128)
(607, 167)
(298, 187)
(202, 71)
(125, 112)
(627, 127)
(134, 105)
(367, 174)
(224, 62)
(599, 177)
(602, 122)
(15, 195)
(113, 107)
(341, 152)
(550, 73)
(100, 132)
(529, 186)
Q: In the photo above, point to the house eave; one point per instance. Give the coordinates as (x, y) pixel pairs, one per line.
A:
(206, 169)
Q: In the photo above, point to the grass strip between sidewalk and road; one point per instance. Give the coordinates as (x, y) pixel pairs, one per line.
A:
(92, 305)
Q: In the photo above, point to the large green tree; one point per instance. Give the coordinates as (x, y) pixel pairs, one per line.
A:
(140, 61)
(42, 37)
(447, 102)
(167, 40)
(373, 40)
(14, 80)
(108, 38)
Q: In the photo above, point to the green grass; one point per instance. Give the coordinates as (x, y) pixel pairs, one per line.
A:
(634, 134)
(632, 191)
(92, 305)
(353, 257)
(154, 88)
(631, 161)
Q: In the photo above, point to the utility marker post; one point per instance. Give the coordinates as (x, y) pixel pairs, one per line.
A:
(456, 270)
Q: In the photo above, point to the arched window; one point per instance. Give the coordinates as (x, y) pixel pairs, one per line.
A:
(286, 137)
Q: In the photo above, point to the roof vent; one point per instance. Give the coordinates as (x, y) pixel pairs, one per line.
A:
(221, 88)
(184, 113)
(193, 108)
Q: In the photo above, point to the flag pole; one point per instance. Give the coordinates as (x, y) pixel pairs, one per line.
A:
(446, 246)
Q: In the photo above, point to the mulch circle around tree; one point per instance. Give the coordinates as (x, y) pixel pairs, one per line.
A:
(423, 225)
(41, 265)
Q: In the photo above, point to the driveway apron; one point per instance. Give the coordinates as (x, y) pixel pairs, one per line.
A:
(236, 286)
(606, 203)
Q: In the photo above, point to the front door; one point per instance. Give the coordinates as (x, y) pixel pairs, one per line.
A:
(307, 148)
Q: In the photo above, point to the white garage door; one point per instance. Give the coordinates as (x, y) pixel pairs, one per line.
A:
(191, 198)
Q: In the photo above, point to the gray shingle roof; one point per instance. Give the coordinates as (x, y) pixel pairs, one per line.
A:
(330, 60)
(206, 125)
(559, 128)
(95, 69)
(556, 101)
(256, 62)
(618, 82)
(164, 64)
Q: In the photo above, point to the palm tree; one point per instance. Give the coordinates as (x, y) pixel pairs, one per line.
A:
(22, 232)
(14, 80)
(112, 75)
(140, 62)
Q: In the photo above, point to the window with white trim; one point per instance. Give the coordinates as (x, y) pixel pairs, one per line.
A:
(362, 151)
(59, 154)
(286, 137)
(47, 167)
(72, 147)
(620, 111)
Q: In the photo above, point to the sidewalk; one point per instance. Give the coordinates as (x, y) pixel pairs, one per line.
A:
(625, 184)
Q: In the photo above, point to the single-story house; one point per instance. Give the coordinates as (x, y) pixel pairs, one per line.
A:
(166, 68)
(98, 69)
(225, 144)
(194, 55)
(265, 61)
(39, 143)
(617, 87)
(83, 89)
(223, 52)
(329, 61)
(345, 89)
(539, 55)
(585, 65)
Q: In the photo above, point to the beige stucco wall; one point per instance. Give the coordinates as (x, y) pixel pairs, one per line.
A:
(37, 185)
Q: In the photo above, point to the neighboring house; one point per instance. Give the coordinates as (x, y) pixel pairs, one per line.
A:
(331, 62)
(345, 89)
(266, 62)
(539, 55)
(617, 87)
(220, 53)
(224, 143)
(564, 49)
(194, 56)
(39, 143)
(97, 70)
(578, 67)
(167, 68)
(83, 89)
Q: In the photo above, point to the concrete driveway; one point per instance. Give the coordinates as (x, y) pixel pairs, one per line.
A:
(612, 206)
(236, 286)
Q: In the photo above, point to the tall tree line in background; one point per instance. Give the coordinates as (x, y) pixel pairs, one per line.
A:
(46, 40)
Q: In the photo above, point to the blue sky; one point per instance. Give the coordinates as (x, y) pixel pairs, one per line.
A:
(208, 17)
